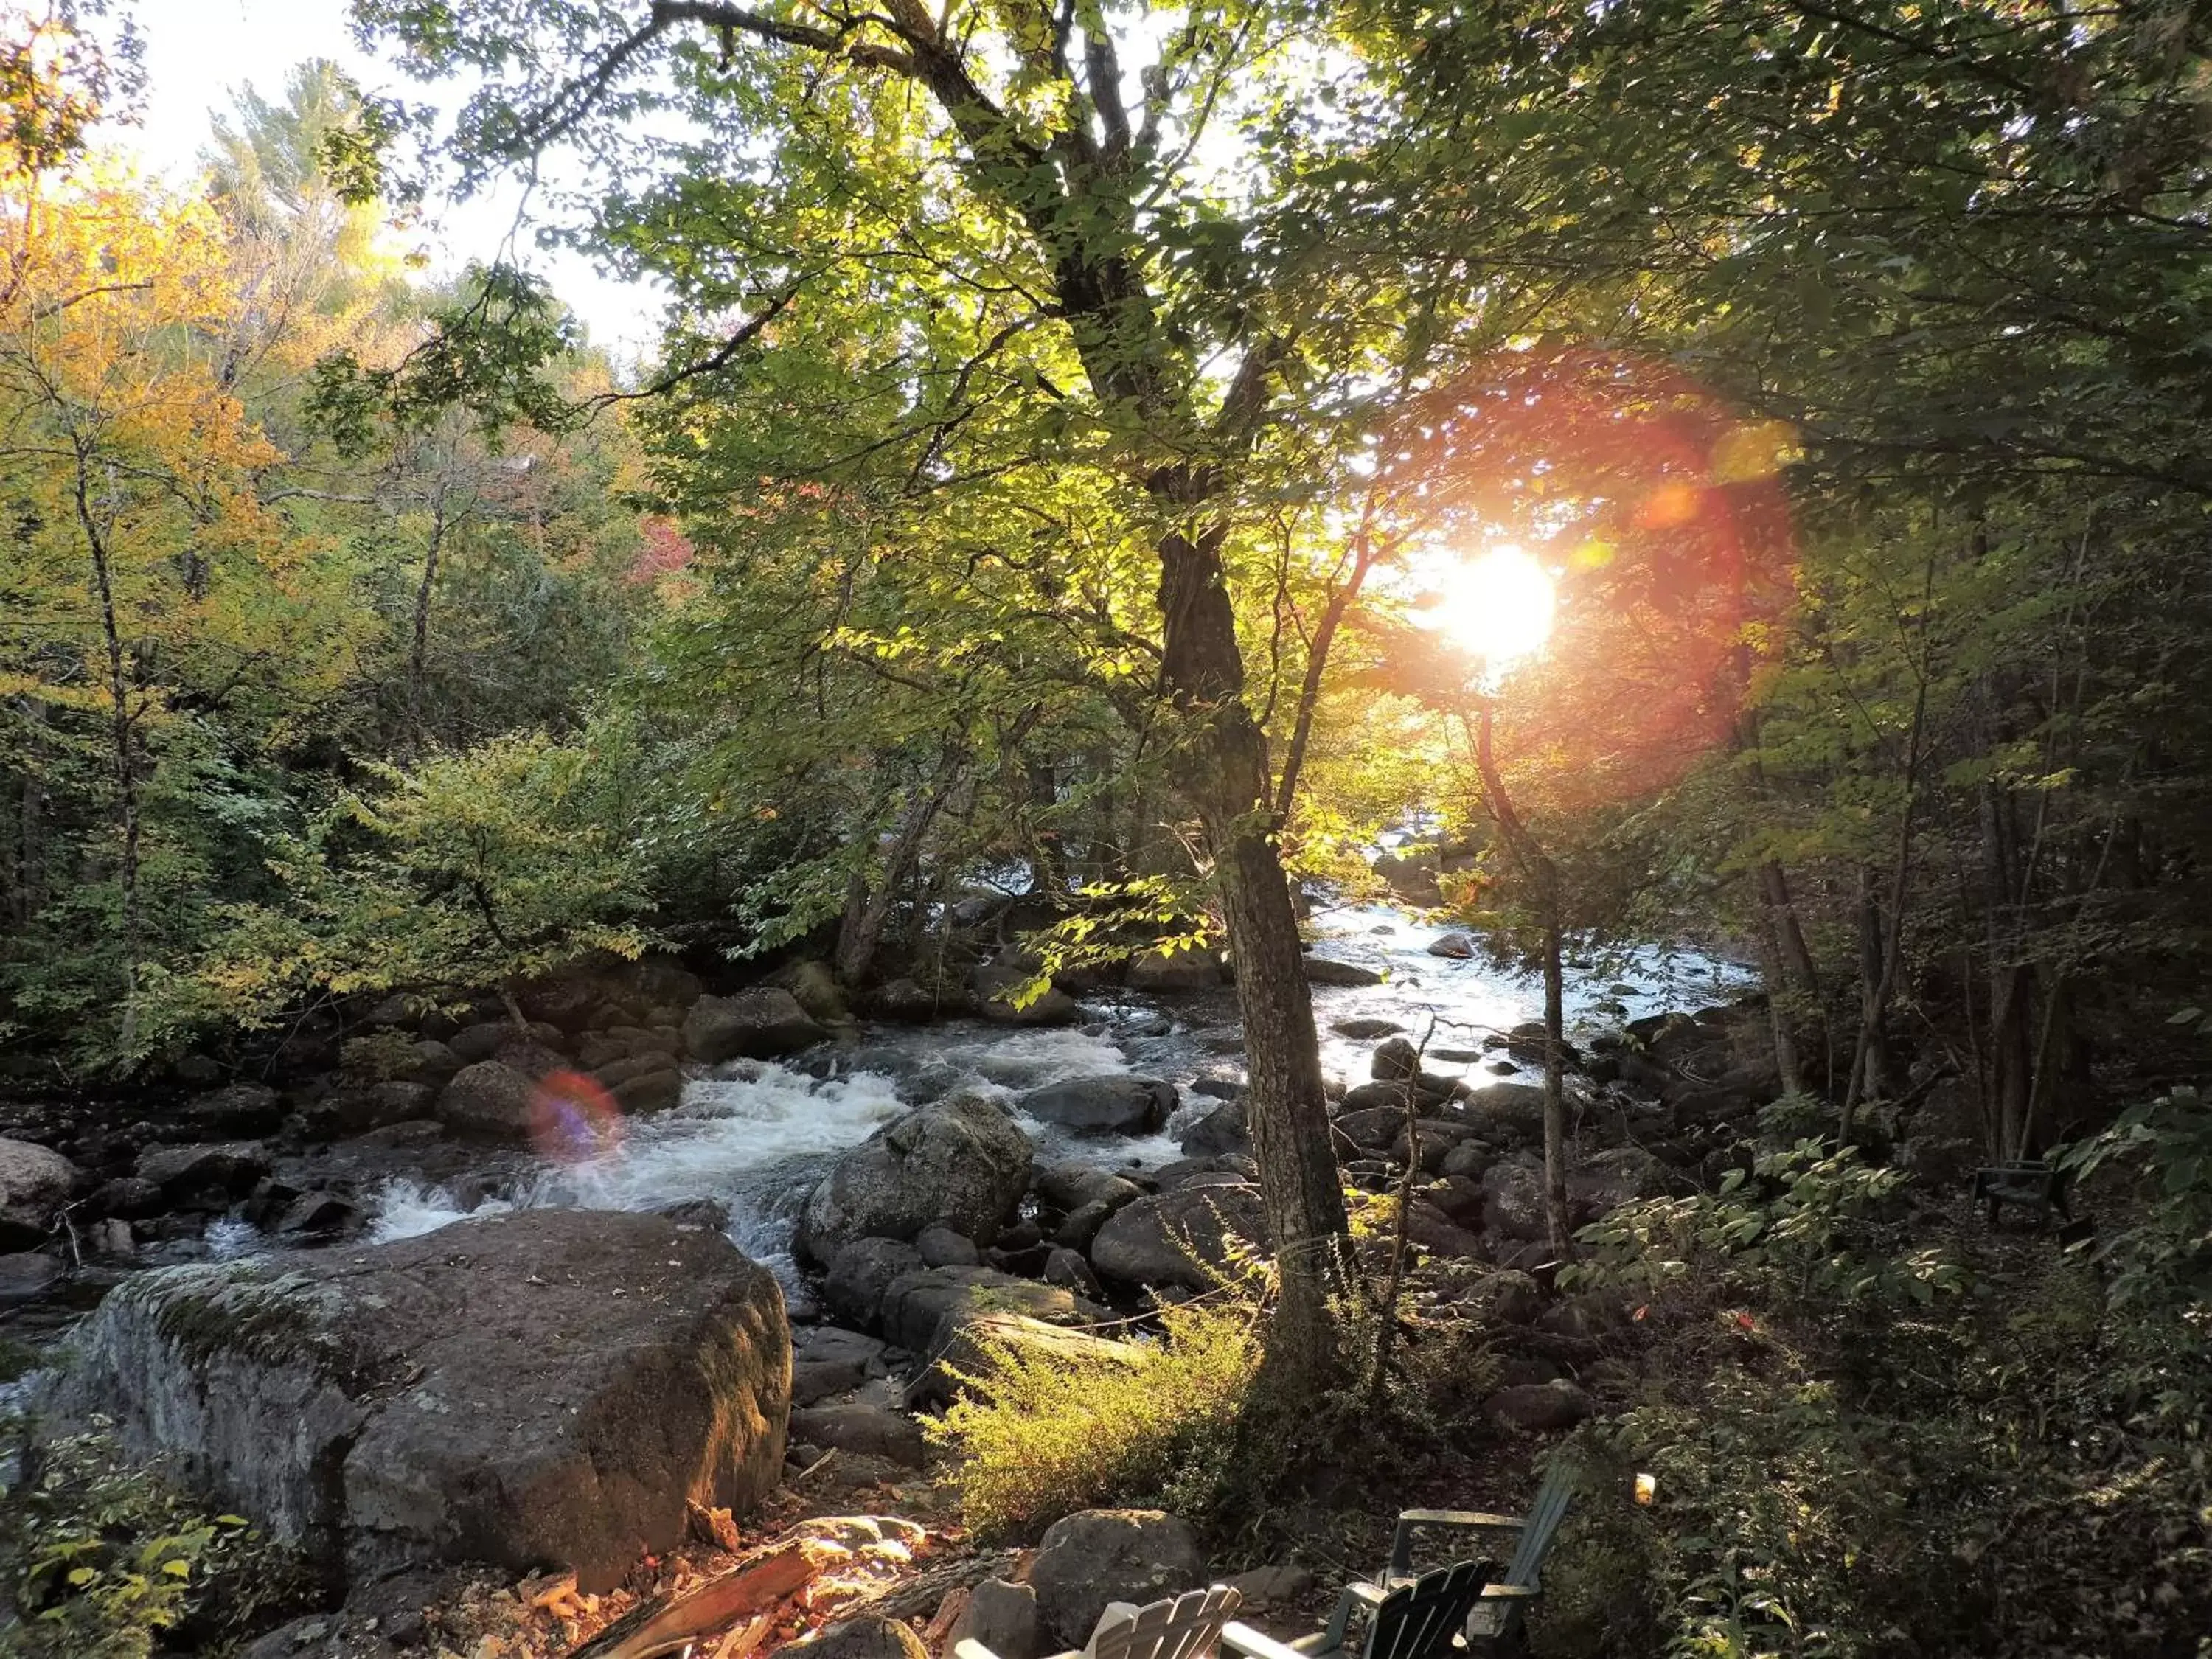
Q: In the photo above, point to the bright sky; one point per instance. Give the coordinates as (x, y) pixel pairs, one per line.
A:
(198, 51)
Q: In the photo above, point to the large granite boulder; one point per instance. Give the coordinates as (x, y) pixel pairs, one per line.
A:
(543, 1389)
(35, 1183)
(1175, 970)
(1097, 1556)
(967, 1337)
(764, 1023)
(917, 1305)
(1174, 1238)
(962, 1162)
(859, 1273)
(1112, 1103)
(492, 1099)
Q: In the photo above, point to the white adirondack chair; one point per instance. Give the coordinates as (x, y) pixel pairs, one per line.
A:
(1185, 1626)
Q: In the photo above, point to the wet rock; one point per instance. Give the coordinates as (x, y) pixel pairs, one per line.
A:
(1219, 1088)
(869, 1431)
(1002, 1616)
(1430, 1091)
(1026, 1262)
(318, 1213)
(1112, 1103)
(112, 1240)
(814, 987)
(129, 1196)
(904, 1002)
(656, 1090)
(710, 1213)
(1360, 1030)
(962, 1162)
(940, 1247)
(1172, 1238)
(1221, 1130)
(1097, 1556)
(1395, 1060)
(764, 1023)
(243, 1108)
(26, 1276)
(861, 1272)
(1180, 970)
(1618, 1175)
(213, 1171)
(485, 1039)
(1539, 1407)
(960, 1345)
(35, 1183)
(1458, 946)
(827, 1360)
(1321, 970)
(916, 1304)
(490, 1100)
(545, 1387)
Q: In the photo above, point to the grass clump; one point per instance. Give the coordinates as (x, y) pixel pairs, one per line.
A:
(1040, 1435)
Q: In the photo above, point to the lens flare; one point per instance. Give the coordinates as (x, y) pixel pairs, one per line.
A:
(1496, 607)
(573, 1119)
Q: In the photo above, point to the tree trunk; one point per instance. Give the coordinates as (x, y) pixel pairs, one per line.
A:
(1223, 773)
(122, 736)
(418, 649)
(1543, 878)
(868, 909)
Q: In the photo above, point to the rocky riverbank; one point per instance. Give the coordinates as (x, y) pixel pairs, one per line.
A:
(573, 1387)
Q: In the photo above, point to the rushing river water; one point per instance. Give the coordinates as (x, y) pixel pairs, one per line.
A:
(756, 1136)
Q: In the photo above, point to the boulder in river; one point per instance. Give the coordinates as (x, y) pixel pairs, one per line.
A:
(543, 1387)
(1361, 1030)
(764, 1023)
(967, 1334)
(1112, 1103)
(1457, 946)
(917, 1304)
(860, 1272)
(35, 1183)
(1221, 1130)
(1173, 1238)
(996, 986)
(1323, 971)
(210, 1173)
(1175, 970)
(490, 1099)
(962, 1162)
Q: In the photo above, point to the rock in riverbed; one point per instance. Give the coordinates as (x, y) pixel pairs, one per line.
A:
(546, 1387)
(962, 1162)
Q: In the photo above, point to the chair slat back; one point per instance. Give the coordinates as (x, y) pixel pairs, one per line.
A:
(1545, 1514)
(1185, 1626)
(1420, 1620)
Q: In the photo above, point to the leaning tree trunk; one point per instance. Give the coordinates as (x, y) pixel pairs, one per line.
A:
(1223, 772)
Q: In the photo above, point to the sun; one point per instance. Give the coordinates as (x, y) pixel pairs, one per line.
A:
(1497, 606)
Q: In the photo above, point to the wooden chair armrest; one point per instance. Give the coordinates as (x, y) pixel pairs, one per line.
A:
(1370, 1594)
(968, 1647)
(1508, 1593)
(1254, 1644)
(1457, 1518)
(1401, 1536)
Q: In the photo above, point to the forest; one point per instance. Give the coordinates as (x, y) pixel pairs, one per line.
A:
(1245, 526)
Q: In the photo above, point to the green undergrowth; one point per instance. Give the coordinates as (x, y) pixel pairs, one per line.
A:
(107, 1557)
(1880, 1431)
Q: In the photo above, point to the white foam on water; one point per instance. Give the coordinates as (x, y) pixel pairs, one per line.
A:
(753, 1141)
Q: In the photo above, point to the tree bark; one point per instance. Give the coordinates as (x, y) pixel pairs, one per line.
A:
(418, 648)
(1223, 772)
(123, 738)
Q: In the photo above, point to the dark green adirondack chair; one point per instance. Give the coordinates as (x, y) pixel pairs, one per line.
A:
(1418, 1619)
(1497, 1612)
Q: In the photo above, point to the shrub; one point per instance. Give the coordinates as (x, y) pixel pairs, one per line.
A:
(1039, 1438)
(114, 1560)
